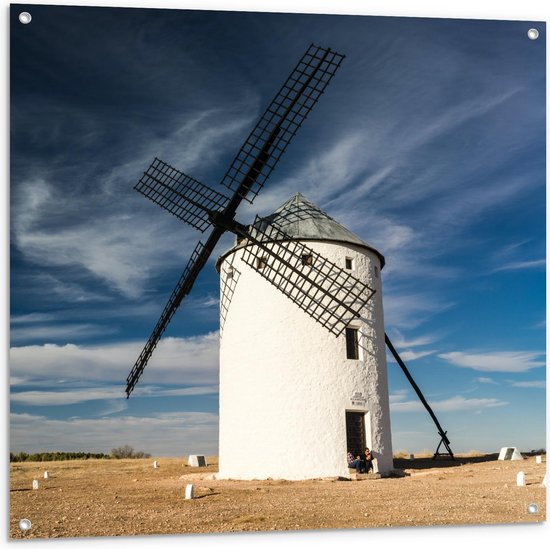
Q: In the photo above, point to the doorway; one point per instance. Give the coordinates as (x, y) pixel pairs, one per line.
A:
(355, 432)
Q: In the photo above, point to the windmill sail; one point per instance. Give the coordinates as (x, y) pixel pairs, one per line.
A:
(201, 206)
(281, 120)
(325, 291)
(183, 287)
(181, 195)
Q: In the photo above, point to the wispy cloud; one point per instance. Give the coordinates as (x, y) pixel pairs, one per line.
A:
(419, 341)
(410, 310)
(64, 332)
(500, 361)
(407, 348)
(486, 380)
(197, 433)
(529, 384)
(122, 251)
(64, 288)
(398, 396)
(192, 360)
(414, 355)
(16, 380)
(521, 265)
(338, 161)
(62, 396)
(31, 318)
(112, 233)
(454, 404)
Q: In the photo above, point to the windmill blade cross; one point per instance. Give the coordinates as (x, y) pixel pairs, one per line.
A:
(200, 206)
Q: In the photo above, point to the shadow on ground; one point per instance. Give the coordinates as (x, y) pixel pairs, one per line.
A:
(442, 461)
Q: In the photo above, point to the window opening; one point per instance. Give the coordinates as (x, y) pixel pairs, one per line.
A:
(352, 343)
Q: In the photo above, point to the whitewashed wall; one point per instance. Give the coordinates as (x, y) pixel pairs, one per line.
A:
(285, 381)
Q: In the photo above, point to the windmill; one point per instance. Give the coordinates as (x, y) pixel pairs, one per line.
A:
(329, 294)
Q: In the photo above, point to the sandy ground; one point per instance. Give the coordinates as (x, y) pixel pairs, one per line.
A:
(128, 497)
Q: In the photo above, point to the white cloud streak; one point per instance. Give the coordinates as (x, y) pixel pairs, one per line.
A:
(521, 265)
(60, 331)
(454, 404)
(420, 341)
(486, 380)
(109, 239)
(414, 355)
(193, 361)
(410, 310)
(31, 318)
(123, 252)
(529, 384)
(61, 396)
(398, 396)
(501, 361)
(172, 434)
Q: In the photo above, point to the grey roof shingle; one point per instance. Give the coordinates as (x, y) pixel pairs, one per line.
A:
(300, 219)
(303, 220)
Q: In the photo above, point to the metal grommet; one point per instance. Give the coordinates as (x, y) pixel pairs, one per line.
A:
(532, 508)
(25, 17)
(25, 525)
(533, 34)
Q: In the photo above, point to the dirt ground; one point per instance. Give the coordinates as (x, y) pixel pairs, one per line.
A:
(128, 497)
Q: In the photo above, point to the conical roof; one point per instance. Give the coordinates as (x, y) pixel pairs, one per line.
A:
(300, 219)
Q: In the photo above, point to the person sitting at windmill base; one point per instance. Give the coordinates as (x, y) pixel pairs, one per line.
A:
(356, 463)
(367, 460)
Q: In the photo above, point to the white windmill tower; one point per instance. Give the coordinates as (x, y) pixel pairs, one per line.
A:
(293, 397)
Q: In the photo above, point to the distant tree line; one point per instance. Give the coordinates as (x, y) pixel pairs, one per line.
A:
(55, 456)
(127, 452)
(123, 452)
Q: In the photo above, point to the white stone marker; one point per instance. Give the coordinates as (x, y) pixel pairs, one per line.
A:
(509, 453)
(520, 479)
(197, 461)
(35, 484)
(189, 492)
(155, 465)
(538, 459)
(46, 474)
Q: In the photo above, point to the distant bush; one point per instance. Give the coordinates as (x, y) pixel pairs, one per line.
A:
(55, 456)
(127, 452)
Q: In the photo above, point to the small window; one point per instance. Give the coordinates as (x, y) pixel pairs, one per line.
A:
(349, 264)
(375, 271)
(352, 343)
(261, 263)
(307, 259)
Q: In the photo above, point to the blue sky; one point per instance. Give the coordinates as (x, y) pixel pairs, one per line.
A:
(429, 144)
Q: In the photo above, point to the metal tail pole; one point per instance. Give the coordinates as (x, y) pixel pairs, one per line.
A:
(442, 434)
